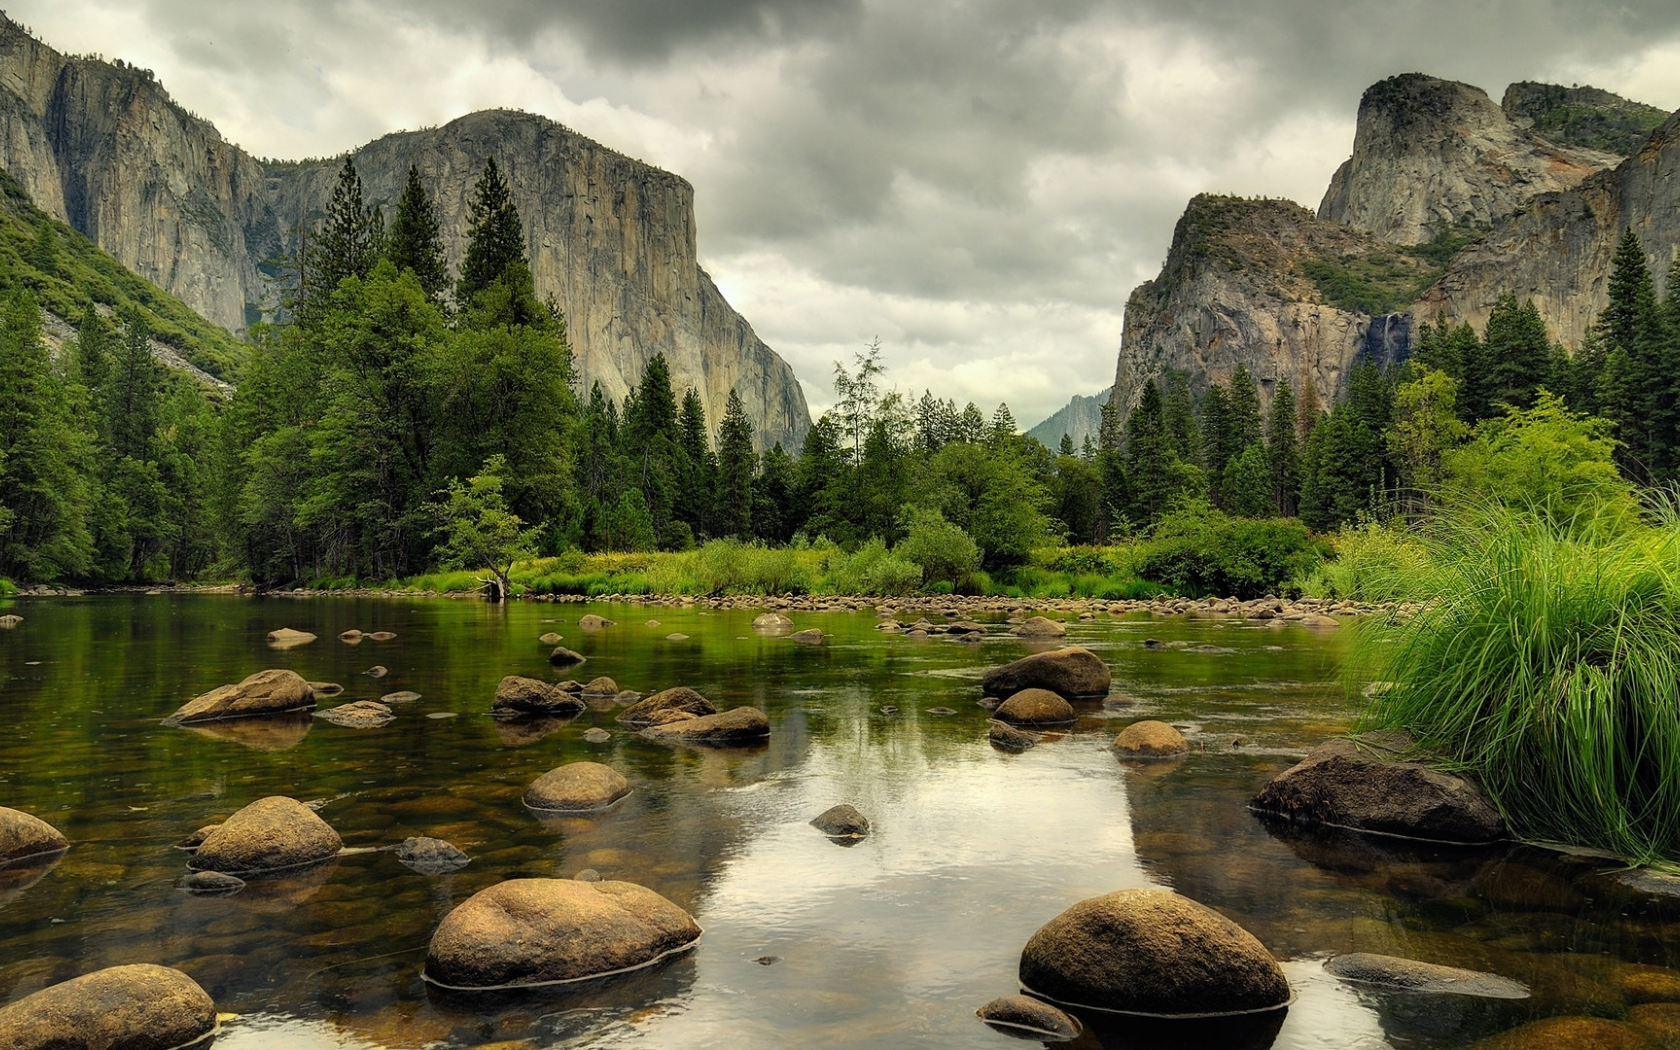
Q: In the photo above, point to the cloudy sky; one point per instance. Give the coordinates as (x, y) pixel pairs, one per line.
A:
(979, 184)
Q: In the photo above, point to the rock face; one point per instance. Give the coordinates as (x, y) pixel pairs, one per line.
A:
(1343, 785)
(1079, 419)
(1072, 671)
(528, 696)
(647, 711)
(577, 787)
(267, 835)
(1035, 707)
(139, 1007)
(528, 932)
(103, 147)
(1151, 952)
(24, 836)
(733, 728)
(1582, 116)
(1429, 155)
(272, 692)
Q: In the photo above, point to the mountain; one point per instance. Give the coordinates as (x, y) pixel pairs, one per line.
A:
(1079, 419)
(102, 146)
(1447, 202)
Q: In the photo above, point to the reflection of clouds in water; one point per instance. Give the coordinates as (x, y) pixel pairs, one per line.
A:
(1327, 1013)
(283, 1032)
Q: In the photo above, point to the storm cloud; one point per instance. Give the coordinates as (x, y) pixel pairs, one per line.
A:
(979, 184)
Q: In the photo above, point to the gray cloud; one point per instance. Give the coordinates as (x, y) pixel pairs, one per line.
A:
(979, 182)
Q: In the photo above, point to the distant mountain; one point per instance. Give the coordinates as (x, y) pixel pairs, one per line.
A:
(1078, 419)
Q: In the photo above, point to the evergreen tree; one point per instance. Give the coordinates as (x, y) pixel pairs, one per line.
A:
(93, 354)
(1283, 451)
(736, 462)
(495, 239)
(696, 467)
(971, 424)
(43, 251)
(773, 496)
(820, 487)
(1633, 324)
(1003, 424)
(1180, 410)
(1246, 426)
(1218, 438)
(1247, 485)
(1150, 474)
(1114, 503)
(415, 242)
(347, 244)
(132, 392)
(1516, 355)
(1066, 446)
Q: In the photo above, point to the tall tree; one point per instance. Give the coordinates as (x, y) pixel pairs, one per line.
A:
(415, 242)
(696, 465)
(736, 462)
(495, 239)
(133, 391)
(1150, 463)
(1246, 426)
(1180, 410)
(1516, 354)
(347, 244)
(1283, 451)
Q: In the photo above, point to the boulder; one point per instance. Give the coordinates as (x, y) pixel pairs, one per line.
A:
(286, 638)
(550, 639)
(1151, 952)
(527, 696)
(196, 839)
(267, 835)
(363, 714)
(772, 621)
(24, 837)
(1071, 671)
(1568, 1033)
(9, 621)
(602, 686)
(1025, 1016)
(138, 1007)
(591, 622)
(564, 657)
(1006, 737)
(732, 728)
(842, 822)
(1039, 627)
(528, 932)
(809, 636)
(351, 637)
(431, 856)
(1035, 707)
(577, 787)
(1150, 740)
(211, 884)
(964, 629)
(271, 692)
(645, 712)
(1344, 785)
(1387, 971)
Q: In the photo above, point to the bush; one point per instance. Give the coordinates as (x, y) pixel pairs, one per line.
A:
(942, 550)
(1371, 563)
(1198, 551)
(871, 570)
(7, 587)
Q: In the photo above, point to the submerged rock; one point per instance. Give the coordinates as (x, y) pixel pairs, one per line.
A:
(527, 932)
(646, 712)
(524, 696)
(211, 884)
(1568, 1033)
(1151, 952)
(270, 692)
(363, 714)
(1007, 738)
(381, 636)
(1035, 707)
(1387, 971)
(286, 638)
(431, 856)
(1039, 627)
(591, 622)
(596, 735)
(377, 671)
(550, 639)
(9, 621)
(1344, 785)
(24, 837)
(1150, 740)
(564, 657)
(577, 787)
(351, 637)
(772, 621)
(267, 835)
(1072, 671)
(733, 728)
(325, 689)
(809, 636)
(1026, 1016)
(405, 696)
(138, 1007)
(602, 686)
(524, 730)
(196, 839)
(842, 821)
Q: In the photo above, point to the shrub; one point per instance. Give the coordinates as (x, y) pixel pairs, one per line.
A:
(1371, 563)
(872, 569)
(942, 550)
(1197, 550)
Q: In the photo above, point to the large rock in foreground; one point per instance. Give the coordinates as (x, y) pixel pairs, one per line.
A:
(528, 932)
(530, 696)
(1072, 671)
(1343, 785)
(652, 710)
(267, 835)
(733, 728)
(577, 787)
(141, 1007)
(1154, 953)
(24, 836)
(271, 692)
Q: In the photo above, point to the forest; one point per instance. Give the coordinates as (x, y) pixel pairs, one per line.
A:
(396, 420)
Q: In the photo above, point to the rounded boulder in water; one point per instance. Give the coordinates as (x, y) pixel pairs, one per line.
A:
(137, 1007)
(25, 837)
(269, 834)
(577, 787)
(1150, 739)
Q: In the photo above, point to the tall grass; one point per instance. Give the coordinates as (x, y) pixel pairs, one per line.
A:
(1372, 563)
(1545, 662)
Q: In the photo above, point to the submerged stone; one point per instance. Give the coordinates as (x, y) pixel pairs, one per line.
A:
(1387, 971)
(363, 714)
(1568, 1033)
(431, 856)
(842, 821)
(646, 712)
(1025, 1016)
(733, 728)
(138, 1007)
(809, 636)
(550, 639)
(1039, 627)
(211, 884)
(1006, 737)
(602, 686)
(564, 657)
(592, 622)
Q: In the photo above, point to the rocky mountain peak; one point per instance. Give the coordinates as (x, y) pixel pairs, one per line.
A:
(1582, 116)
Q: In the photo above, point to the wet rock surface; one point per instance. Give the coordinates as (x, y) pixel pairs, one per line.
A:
(601, 686)
(527, 932)
(363, 714)
(842, 821)
(287, 638)
(1006, 737)
(564, 657)
(211, 884)
(270, 834)
(516, 695)
(1388, 971)
(1344, 784)
(592, 622)
(647, 711)
(1150, 739)
(1151, 952)
(1071, 671)
(809, 636)
(1035, 707)
(136, 1007)
(1039, 627)
(270, 692)
(431, 856)
(577, 787)
(737, 727)
(26, 837)
(1023, 1015)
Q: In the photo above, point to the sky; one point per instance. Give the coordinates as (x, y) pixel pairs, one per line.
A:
(978, 184)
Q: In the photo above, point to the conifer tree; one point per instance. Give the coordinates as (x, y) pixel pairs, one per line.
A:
(1180, 410)
(1149, 458)
(697, 466)
(495, 239)
(1247, 485)
(1111, 471)
(415, 243)
(1218, 440)
(736, 462)
(1246, 426)
(1066, 446)
(347, 244)
(1633, 323)
(773, 496)
(133, 392)
(1283, 452)
(1003, 424)
(1516, 354)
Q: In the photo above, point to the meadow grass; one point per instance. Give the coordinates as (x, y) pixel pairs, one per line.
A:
(1545, 663)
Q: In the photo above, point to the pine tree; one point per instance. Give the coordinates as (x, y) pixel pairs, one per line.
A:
(415, 243)
(1247, 485)
(696, 467)
(735, 470)
(1246, 427)
(133, 392)
(1634, 323)
(43, 251)
(347, 245)
(1218, 440)
(1149, 458)
(93, 353)
(773, 496)
(1515, 352)
(1180, 410)
(1283, 452)
(1066, 446)
(1003, 424)
(972, 424)
(495, 240)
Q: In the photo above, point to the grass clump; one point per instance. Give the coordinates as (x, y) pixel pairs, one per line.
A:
(1545, 663)
(1371, 562)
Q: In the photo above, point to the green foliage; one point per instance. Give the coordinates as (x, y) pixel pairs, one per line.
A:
(1371, 562)
(1373, 284)
(477, 529)
(1198, 550)
(495, 240)
(1444, 245)
(871, 569)
(943, 551)
(736, 465)
(415, 243)
(1245, 489)
(1544, 663)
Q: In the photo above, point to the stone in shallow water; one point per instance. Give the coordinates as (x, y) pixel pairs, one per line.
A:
(286, 638)
(602, 686)
(1028, 1017)
(139, 1007)
(1568, 1033)
(269, 834)
(1071, 671)
(516, 695)
(271, 692)
(596, 735)
(1387, 971)
(1039, 627)
(564, 657)
(809, 636)
(1035, 707)
(1150, 739)
(550, 639)
(733, 728)
(646, 712)
(577, 787)
(842, 821)
(24, 836)
(211, 884)
(382, 636)
(591, 622)
(377, 671)
(528, 932)
(405, 696)
(431, 856)
(1006, 737)
(363, 714)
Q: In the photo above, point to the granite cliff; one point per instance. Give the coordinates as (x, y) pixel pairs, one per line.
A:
(103, 147)
(1079, 419)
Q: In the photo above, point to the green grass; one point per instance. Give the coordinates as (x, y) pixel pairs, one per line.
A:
(7, 587)
(1375, 284)
(1545, 664)
(1370, 563)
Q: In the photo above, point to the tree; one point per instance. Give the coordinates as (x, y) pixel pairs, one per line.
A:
(1426, 428)
(695, 467)
(415, 243)
(1219, 440)
(942, 550)
(495, 239)
(1003, 423)
(1636, 337)
(1516, 354)
(858, 394)
(1283, 450)
(1114, 501)
(1179, 410)
(132, 392)
(773, 496)
(478, 530)
(1246, 427)
(1247, 485)
(736, 462)
(1153, 473)
(347, 244)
